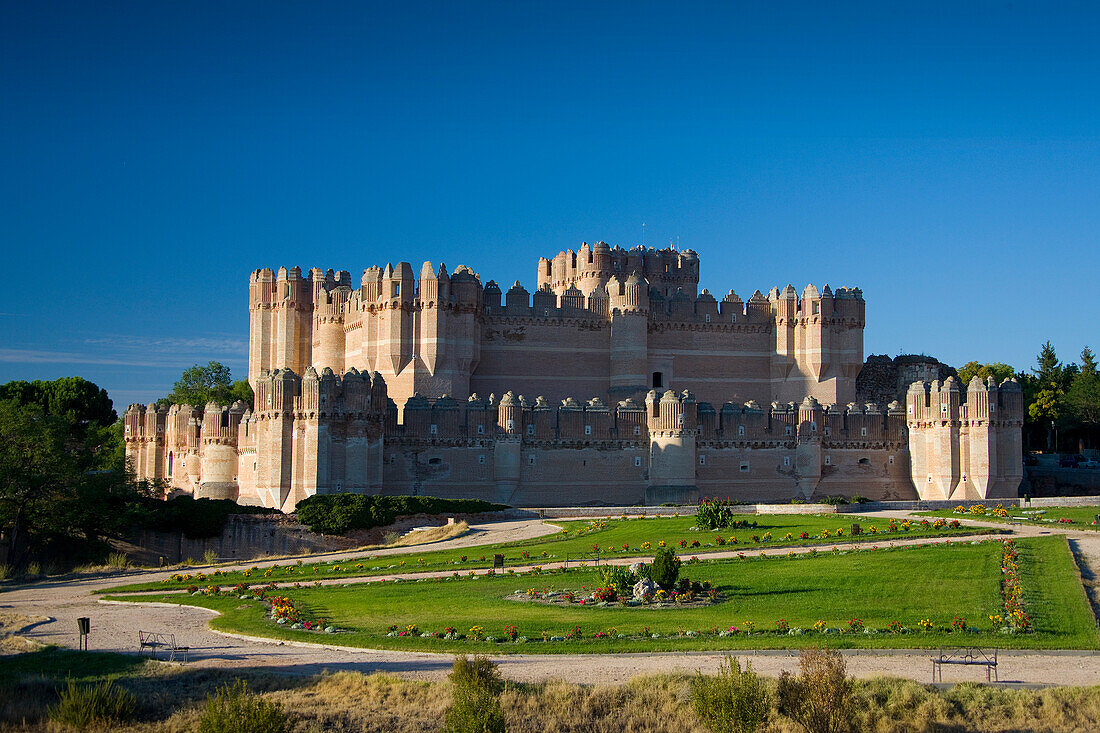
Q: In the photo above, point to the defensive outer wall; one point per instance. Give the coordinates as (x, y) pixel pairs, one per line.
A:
(617, 382)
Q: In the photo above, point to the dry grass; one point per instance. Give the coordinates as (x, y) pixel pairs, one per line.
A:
(170, 700)
(11, 624)
(433, 534)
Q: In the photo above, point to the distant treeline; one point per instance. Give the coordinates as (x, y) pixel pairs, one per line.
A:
(338, 513)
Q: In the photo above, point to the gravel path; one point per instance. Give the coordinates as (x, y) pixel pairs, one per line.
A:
(115, 625)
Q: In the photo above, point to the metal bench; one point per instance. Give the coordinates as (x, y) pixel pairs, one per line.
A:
(967, 655)
(151, 641)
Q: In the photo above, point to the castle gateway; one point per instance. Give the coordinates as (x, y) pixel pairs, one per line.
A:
(616, 382)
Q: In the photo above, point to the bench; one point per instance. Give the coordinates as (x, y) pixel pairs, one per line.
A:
(152, 641)
(968, 655)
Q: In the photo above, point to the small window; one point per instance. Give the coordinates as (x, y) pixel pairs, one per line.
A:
(637, 429)
(943, 409)
(817, 308)
(702, 460)
(744, 468)
(992, 407)
(171, 460)
(813, 426)
(587, 429)
(680, 419)
(637, 460)
(481, 430)
(481, 459)
(787, 430)
(929, 478)
(510, 425)
(658, 380)
(741, 430)
(828, 461)
(530, 460)
(910, 409)
(708, 318)
(434, 461)
(826, 431)
(397, 289)
(734, 318)
(891, 460)
(863, 432)
(530, 429)
(433, 429)
(786, 460)
(864, 462)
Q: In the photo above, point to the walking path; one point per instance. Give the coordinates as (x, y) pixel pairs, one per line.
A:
(115, 625)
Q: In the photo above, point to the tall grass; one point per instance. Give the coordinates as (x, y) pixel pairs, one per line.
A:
(233, 709)
(735, 701)
(101, 703)
(475, 706)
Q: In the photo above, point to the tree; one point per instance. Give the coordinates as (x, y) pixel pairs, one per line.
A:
(1082, 399)
(74, 398)
(64, 487)
(211, 383)
(1049, 369)
(998, 370)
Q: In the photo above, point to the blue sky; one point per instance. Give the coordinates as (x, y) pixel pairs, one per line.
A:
(944, 157)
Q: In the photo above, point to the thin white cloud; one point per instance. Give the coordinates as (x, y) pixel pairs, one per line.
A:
(42, 356)
(222, 345)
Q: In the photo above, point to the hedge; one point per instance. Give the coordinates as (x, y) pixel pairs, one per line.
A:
(338, 513)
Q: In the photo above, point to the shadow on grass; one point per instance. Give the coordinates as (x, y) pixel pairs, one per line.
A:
(30, 682)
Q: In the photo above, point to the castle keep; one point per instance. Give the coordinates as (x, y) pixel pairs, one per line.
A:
(616, 382)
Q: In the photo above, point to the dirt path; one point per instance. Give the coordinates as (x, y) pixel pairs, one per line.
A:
(114, 628)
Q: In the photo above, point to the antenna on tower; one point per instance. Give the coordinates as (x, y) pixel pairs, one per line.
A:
(643, 233)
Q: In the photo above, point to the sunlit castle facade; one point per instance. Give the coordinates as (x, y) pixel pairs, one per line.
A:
(616, 382)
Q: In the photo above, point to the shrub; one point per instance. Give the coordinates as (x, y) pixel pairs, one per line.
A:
(620, 578)
(232, 709)
(337, 513)
(714, 514)
(82, 706)
(732, 702)
(665, 568)
(820, 696)
(475, 706)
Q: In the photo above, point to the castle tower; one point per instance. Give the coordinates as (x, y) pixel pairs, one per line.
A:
(672, 435)
(507, 448)
(808, 451)
(219, 458)
(629, 304)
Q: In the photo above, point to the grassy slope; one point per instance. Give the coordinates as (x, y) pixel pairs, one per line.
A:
(1081, 516)
(576, 541)
(906, 584)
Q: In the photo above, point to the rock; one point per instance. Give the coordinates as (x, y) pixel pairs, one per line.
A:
(644, 587)
(637, 568)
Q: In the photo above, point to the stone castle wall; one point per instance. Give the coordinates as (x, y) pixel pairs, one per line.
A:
(447, 387)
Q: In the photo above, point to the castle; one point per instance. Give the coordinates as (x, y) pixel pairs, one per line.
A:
(616, 382)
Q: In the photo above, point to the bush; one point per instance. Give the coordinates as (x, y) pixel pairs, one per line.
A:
(234, 710)
(820, 697)
(732, 702)
(715, 514)
(196, 518)
(475, 706)
(833, 500)
(82, 706)
(620, 578)
(665, 568)
(338, 513)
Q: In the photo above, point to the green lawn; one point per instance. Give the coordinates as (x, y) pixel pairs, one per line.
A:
(580, 541)
(1080, 517)
(55, 663)
(937, 582)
